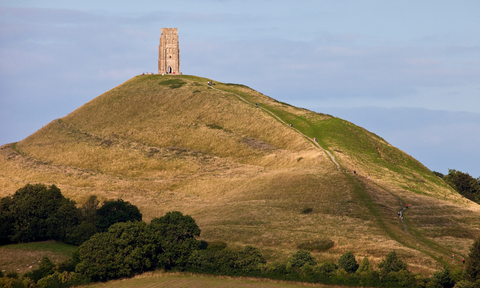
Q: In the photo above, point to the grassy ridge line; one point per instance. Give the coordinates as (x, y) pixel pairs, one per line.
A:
(282, 121)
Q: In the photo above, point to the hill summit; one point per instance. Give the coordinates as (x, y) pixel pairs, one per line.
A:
(249, 169)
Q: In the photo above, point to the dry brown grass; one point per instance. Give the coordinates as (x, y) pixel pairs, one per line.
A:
(243, 175)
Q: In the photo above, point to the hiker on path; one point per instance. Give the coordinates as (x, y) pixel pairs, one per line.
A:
(406, 206)
(355, 172)
(463, 260)
(314, 139)
(256, 105)
(453, 256)
(291, 125)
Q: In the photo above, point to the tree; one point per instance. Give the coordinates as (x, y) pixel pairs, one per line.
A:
(6, 220)
(473, 262)
(76, 235)
(364, 266)
(114, 211)
(347, 261)
(392, 264)
(123, 251)
(444, 278)
(465, 184)
(40, 213)
(300, 258)
(173, 235)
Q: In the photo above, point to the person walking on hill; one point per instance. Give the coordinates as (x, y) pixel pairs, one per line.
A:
(406, 206)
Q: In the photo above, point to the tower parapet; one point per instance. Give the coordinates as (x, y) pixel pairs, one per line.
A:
(169, 52)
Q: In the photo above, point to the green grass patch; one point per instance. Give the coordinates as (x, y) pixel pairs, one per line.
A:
(50, 246)
(173, 83)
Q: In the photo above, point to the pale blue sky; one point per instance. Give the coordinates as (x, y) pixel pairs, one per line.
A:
(370, 62)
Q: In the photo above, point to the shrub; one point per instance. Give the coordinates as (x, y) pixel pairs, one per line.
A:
(317, 245)
(300, 258)
(444, 278)
(226, 262)
(473, 262)
(364, 266)
(347, 261)
(306, 210)
(465, 284)
(391, 264)
(325, 269)
(46, 268)
(218, 245)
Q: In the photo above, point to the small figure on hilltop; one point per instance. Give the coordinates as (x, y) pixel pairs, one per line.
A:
(463, 260)
(291, 125)
(355, 172)
(453, 256)
(256, 104)
(406, 206)
(314, 139)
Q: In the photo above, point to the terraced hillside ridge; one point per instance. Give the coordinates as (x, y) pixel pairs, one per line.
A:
(174, 143)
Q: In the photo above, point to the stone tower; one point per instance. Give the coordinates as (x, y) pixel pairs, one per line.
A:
(169, 52)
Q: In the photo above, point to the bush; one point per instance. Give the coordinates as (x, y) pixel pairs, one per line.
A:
(473, 262)
(364, 266)
(226, 262)
(347, 261)
(444, 278)
(218, 245)
(46, 268)
(306, 210)
(300, 258)
(317, 245)
(325, 269)
(465, 284)
(391, 264)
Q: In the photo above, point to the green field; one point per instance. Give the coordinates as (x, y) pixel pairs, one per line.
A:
(27, 256)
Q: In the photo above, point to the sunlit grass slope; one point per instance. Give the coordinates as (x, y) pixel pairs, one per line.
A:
(174, 143)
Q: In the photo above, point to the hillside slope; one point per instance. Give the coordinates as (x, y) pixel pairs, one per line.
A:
(174, 143)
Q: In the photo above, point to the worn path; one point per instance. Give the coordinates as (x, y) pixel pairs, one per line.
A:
(333, 160)
(279, 119)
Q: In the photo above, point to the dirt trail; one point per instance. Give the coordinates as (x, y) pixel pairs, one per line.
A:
(279, 119)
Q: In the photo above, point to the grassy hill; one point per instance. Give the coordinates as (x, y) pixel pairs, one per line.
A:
(173, 143)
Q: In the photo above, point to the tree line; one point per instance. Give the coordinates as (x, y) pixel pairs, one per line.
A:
(38, 213)
(463, 183)
(170, 243)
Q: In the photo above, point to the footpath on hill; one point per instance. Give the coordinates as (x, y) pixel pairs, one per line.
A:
(283, 122)
(332, 158)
